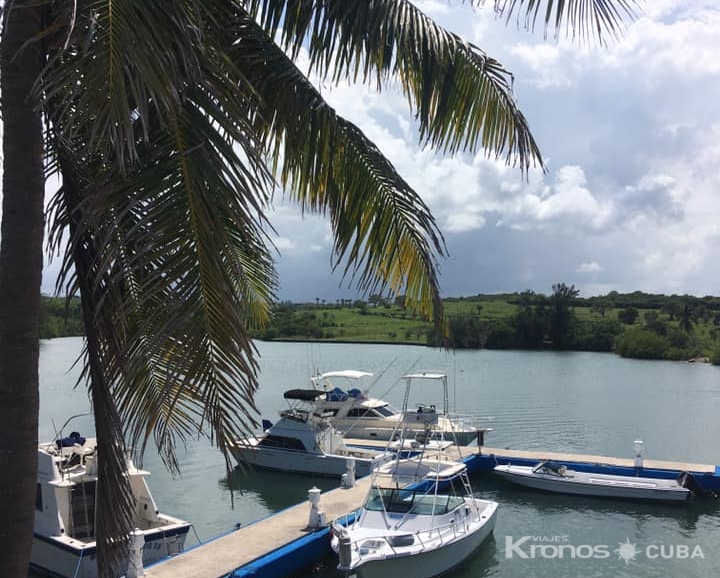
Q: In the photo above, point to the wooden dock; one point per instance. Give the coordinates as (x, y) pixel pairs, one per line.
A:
(219, 557)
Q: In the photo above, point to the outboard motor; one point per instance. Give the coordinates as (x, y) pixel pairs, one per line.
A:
(687, 480)
(266, 424)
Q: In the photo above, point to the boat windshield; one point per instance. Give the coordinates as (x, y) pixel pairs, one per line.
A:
(410, 501)
(550, 468)
(387, 410)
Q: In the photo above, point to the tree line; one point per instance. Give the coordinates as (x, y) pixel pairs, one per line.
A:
(637, 324)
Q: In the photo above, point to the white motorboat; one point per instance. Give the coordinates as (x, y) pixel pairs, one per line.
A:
(64, 535)
(555, 477)
(303, 441)
(420, 517)
(357, 415)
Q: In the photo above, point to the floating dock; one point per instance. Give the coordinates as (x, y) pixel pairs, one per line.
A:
(282, 543)
(273, 547)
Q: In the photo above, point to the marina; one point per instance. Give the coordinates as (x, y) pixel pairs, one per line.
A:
(538, 402)
(284, 543)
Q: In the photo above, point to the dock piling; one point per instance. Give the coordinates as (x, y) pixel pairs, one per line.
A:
(347, 480)
(135, 561)
(638, 446)
(317, 518)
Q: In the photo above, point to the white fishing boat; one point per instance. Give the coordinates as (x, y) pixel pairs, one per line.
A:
(303, 441)
(64, 534)
(554, 477)
(358, 415)
(420, 517)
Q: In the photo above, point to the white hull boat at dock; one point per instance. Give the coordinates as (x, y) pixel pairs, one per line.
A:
(357, 415)
(304, 442)
(420, 517)
(554, 477)
(64, 534)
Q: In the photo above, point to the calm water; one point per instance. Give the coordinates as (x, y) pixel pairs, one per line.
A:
(581, 402)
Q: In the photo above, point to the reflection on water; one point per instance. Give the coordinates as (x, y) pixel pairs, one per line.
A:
(274, 490)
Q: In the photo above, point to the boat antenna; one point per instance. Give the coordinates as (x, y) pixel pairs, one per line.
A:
(67, 421)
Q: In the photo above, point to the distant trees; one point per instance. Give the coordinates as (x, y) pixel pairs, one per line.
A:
(687, 318)
(562, 315)
(60, 317)
(628, 316)
(677, 328)
(530, 321)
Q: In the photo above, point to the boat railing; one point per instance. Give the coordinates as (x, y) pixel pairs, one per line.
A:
(369, 545)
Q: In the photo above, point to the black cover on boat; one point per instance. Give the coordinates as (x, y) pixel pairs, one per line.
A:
(303, 394)
(688, 481)
(73, 439)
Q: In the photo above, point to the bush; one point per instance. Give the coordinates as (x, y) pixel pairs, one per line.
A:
(597, 335)
(715, 355)
(642, 344)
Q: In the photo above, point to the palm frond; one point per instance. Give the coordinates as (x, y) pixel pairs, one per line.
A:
(114, 504)
(583, 19)
(127, 59)
(186, 274)
(462, 98)
(383, 230)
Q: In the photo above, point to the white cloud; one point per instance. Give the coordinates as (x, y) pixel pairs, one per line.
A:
(591, 267)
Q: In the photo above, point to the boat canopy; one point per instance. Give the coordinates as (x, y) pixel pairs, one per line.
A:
(425, 375)
(349, 373)
(303, 394)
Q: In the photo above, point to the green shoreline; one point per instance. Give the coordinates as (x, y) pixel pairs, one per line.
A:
(635, 325)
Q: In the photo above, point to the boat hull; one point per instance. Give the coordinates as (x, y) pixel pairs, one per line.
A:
(300, 462)
(430, 563)
(67, 558)
(598, 485)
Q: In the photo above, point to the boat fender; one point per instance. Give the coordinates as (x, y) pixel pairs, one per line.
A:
(344, 550)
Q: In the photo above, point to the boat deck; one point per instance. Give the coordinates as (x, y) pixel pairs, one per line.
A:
(223, 555)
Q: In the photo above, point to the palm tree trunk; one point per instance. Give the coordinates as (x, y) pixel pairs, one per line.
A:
(20, 275)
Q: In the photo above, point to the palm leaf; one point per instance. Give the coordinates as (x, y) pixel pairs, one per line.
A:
(383, 230)
(584, 19)
(462, 98)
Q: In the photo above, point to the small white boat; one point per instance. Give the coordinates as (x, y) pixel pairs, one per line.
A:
(357, 415)
(64, 534)
(554, 477)
(303, 441)
(420, 517)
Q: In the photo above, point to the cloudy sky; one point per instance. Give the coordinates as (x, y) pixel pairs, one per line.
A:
(631, 138)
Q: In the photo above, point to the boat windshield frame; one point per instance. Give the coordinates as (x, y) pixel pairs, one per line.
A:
(550, 469)
(410, 501)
